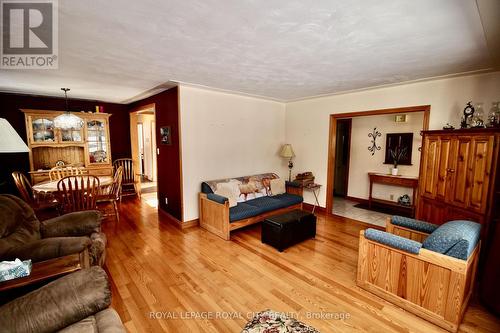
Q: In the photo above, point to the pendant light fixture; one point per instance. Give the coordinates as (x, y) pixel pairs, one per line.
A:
(67, 120)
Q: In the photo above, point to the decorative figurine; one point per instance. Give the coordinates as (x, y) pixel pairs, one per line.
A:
(448, 126)
(468, 113)
(494, 115)
(477, 120)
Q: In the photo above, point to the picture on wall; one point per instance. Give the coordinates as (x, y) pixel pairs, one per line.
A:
(400, 141)
(165, 135)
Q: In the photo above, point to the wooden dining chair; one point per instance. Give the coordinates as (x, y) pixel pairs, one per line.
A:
(38, 201)
(59, 172)
(77, 193)
(130, 182)
(111, 194)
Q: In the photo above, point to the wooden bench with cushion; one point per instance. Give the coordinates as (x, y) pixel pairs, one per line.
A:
(426, 269)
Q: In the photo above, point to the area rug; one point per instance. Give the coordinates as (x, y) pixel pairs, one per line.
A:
(269, 321)
(383, 210)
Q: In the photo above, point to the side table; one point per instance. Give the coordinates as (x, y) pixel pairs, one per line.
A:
(314, 188)
(45, 270)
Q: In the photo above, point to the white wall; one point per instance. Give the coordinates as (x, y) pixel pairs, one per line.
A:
(227, 135)
(307, 121)
(361, 160)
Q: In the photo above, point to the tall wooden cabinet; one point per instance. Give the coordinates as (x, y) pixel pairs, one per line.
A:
(457, 173)
(89, 146)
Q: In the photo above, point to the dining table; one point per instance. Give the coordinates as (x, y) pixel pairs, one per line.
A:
(50, 186)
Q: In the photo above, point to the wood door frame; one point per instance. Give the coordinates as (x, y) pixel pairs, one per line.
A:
(349, 121)
(426, 109)
(134, 147)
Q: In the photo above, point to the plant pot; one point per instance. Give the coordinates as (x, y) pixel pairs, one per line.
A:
(394, 171)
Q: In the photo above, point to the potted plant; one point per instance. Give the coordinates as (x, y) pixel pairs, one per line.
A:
(397, 155)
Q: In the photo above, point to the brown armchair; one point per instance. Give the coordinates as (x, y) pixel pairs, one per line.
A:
(23, 236)
(78, 302)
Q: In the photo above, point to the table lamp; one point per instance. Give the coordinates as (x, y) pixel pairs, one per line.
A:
(10, 141)
(287, 152)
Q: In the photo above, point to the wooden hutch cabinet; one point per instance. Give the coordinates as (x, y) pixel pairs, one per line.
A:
(457, 173)
(89, 146)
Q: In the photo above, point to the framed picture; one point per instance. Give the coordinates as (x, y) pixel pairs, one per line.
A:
(166, 135)
(401, 140)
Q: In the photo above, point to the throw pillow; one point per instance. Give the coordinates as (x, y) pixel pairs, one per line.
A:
(277, 186)
(228, 190)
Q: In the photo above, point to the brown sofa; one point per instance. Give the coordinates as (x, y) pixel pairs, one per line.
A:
(23, 236)
(78, 302)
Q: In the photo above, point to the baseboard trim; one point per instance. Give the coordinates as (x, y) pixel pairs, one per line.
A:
(171, 219)
(309, 207)
(190, 224)
(360, 200)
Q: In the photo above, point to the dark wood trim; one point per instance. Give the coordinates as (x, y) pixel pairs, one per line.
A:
(179, 129)
(406, 109)
(144, 107)
(190, 224)
(332, 137)
(308, 207)
(426, 109)
(171, 218)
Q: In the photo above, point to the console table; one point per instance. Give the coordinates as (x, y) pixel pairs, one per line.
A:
(404, 181)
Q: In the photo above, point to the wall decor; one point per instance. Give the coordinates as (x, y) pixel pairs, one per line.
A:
(400, 118)
(373, 148)
(166, 135)
(399, 141)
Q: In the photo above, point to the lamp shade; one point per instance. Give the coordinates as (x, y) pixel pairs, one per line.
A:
(287, 151)
(10, 141)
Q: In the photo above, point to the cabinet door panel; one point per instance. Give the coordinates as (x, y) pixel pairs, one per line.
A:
(480, 172)
(454, 213)
(431, 211)
(459, 167)
(429, 167)
(443, 181)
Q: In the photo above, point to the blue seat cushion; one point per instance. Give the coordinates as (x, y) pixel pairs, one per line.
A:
(394, 241)
(288, 199)
(266, 204)
(242, 211)
(455, 238)
(413, 224)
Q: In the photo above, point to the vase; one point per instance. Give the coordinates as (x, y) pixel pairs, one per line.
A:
(394, 171)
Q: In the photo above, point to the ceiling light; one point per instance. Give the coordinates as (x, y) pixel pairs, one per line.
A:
(67, 120)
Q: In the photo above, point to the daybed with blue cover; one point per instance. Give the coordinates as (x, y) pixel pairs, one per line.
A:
(254, 202)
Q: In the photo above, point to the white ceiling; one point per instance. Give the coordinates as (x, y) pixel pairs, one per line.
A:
(116, 50)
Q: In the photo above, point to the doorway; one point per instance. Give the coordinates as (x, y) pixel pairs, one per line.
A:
(342, 154)
(336, 119)
(144, 151)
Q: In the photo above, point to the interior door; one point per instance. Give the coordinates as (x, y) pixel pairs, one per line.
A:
(134, 141)
(342, 152)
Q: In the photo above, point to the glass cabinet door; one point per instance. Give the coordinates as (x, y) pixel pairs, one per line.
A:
(97, 141)
(43, 130)
(71, 135)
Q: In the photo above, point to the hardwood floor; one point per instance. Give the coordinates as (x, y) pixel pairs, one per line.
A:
(192, 281)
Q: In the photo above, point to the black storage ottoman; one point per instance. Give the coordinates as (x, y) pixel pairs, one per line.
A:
(284, 230)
